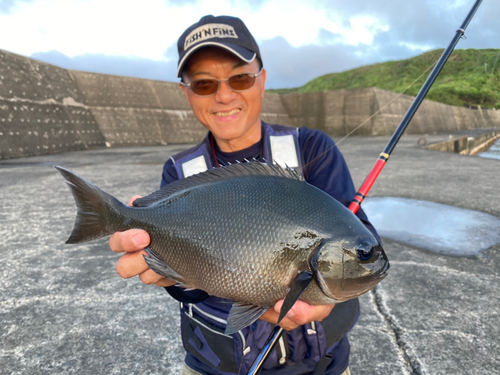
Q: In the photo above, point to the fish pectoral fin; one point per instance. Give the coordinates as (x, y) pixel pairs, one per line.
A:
(242, 315)
(161, 268)
(299, 284)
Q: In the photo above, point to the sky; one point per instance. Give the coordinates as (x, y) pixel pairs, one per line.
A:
(299, 40)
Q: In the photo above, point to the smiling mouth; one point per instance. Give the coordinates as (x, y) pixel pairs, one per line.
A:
(226, 114)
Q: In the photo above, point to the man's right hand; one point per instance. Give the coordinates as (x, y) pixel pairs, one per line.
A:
(132, 242)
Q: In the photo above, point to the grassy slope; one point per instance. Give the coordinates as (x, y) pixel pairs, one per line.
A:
(462, 81)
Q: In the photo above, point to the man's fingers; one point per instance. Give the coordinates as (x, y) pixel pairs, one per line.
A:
(302, 313)
(133, 199)
(166, 282)
(150, 277)
(131, 264)
(129, 241)
(132, 242)
(272, 316)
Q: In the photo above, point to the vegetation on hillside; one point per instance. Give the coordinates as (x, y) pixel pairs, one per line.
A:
(470, 77)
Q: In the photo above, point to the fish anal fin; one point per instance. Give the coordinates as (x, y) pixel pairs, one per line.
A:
(161, 268)
(242, 315)
(299, 284)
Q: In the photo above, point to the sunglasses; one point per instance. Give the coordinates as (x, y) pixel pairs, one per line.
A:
(209, 86)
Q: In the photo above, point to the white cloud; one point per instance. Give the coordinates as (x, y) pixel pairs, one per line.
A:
(147, 28)
(111, 27)
(415, 47)
(297, 21)
(363, 29)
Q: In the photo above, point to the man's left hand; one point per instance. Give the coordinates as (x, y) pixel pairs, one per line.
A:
(301, 313)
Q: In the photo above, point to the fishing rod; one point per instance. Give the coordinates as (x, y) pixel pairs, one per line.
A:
(384, 156)
(380, 163)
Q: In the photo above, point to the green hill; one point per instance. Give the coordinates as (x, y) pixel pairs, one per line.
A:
(464, 80)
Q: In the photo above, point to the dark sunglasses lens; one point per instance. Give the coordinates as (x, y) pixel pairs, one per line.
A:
(205, 86)
(241, 82)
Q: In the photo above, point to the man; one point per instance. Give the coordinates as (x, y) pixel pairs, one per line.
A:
(223, 80)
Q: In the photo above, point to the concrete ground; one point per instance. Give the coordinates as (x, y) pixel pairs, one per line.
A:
(64, 310)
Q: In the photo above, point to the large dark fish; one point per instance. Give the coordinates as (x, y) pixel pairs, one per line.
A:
(249, 232)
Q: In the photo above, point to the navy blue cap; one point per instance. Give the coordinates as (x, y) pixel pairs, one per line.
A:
(229, 33)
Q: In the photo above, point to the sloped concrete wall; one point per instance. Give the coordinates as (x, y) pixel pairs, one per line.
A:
(355, 112)
(46, 109)
(41, 110)
(431, 117)
(133, 111)
(334, 112)
(273, 110)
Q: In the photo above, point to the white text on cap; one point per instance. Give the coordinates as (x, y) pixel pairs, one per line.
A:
(212, 30)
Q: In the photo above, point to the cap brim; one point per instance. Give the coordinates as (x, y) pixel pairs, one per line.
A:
(240, 52)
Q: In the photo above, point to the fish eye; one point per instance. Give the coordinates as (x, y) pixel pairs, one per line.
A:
(365, 251)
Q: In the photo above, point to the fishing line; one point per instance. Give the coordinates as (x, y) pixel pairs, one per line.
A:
(384, 156)
(372, 116)
(277, 331)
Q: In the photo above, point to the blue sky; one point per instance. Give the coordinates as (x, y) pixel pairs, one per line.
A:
(299, 40)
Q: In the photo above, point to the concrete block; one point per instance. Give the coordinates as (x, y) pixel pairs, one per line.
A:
(142, 126)
(25, 79)
(30, 128)
(47, 109)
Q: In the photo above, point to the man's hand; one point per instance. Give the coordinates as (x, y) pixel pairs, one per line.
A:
(132, 242)
(301, 313)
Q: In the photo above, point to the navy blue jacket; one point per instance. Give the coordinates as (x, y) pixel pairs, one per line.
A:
(323, 167)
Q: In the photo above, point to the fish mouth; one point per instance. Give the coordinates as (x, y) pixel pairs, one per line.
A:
(350, 281)
(349, 289)
(347, 294)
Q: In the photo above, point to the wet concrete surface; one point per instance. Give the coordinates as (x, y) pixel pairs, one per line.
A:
(64, 310)
(436, 227)
(493, 152)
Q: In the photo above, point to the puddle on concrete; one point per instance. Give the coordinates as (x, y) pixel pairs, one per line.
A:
(436, 227)
(493, 152)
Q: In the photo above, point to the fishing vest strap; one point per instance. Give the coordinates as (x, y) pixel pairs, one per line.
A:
(281, 146)
(323, 364)
(340, 321)
(193, 161)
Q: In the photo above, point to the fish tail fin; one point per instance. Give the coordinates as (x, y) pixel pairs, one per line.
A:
(98, 212)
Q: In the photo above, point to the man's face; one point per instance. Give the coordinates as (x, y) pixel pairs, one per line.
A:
(232, 117)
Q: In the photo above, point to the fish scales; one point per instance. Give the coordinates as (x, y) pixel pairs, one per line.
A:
(243, 232)
(222, 238)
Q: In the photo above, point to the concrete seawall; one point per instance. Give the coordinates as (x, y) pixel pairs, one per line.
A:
(42, 110)
(468, 144)
(341, 112)
(46, 109)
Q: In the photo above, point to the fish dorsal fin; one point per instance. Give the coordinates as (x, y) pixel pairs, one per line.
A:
(247, 168)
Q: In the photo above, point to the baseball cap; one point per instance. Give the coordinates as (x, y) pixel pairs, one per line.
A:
(229, 33)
